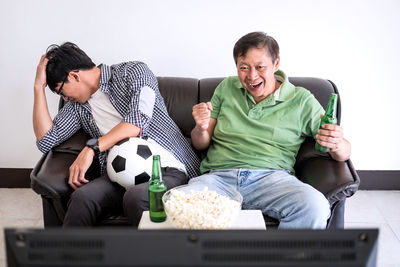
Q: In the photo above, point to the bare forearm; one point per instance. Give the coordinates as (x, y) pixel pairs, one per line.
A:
(201, 134)
(119, 132)
(201, 139)
(41, 117)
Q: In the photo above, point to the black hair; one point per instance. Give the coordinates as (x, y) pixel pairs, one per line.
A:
(256, 40)
(63, 59)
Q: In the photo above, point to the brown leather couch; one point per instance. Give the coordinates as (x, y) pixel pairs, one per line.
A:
(336, 180)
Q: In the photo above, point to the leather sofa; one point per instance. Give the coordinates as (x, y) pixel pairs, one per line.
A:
(336, 180)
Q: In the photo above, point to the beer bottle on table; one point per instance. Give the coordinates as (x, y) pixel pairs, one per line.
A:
(328, 118)
(157, 188)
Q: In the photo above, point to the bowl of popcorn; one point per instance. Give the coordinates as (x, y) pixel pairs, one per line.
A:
(195, 206)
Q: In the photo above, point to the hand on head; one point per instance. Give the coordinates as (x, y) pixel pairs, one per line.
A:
(40, 79)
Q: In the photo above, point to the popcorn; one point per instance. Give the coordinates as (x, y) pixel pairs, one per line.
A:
(200, 209)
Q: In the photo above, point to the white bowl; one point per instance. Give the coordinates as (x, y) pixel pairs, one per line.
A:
(194, 206)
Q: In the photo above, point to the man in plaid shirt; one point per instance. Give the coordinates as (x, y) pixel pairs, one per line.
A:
(110, 103)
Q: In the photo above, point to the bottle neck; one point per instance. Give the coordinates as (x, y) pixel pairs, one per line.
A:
(156, 171)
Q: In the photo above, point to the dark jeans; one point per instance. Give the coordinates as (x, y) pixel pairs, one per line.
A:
(100, 197)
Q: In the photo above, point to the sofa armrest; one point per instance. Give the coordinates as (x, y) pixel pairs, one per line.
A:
(336, 180)
(50, 175)
(74, 144)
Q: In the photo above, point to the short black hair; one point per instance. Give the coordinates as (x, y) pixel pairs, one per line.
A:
(256, 40)
(63, 59)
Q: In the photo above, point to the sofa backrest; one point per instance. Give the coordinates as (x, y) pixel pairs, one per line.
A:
(181, 94)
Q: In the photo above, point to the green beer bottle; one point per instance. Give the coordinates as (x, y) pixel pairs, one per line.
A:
(328, 118)
(157, 188)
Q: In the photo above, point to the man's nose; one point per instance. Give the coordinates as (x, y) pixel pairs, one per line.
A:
(252, 74)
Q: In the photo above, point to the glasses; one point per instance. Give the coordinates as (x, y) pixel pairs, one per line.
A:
(59, 92)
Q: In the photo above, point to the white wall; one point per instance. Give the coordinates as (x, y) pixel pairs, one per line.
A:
(353, 43)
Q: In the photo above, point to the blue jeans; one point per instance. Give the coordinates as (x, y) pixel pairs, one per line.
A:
(276, 193)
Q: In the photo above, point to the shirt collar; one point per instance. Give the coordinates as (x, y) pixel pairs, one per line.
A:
(105, 76)
(286, 90)
(278, 91)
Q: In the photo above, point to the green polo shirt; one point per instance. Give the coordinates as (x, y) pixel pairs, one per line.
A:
(264, 135)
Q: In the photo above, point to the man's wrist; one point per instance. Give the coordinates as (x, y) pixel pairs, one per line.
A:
(94, 145)
(199, 129)
(90, 150)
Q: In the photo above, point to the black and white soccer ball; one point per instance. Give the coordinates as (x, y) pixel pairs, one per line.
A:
(130, 162)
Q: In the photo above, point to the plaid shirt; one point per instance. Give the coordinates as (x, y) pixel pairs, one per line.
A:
(123, 83)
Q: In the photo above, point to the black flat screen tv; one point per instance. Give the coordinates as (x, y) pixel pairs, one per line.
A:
(130, 247)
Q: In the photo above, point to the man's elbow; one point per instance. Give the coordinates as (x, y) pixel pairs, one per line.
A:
(42, 148)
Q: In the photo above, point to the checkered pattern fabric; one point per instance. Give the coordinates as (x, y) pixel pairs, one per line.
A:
(122, 83)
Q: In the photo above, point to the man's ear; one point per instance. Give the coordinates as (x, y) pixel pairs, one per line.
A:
(74, 75)
(277, 63)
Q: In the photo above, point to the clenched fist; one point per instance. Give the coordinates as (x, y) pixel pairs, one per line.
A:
(202, 114)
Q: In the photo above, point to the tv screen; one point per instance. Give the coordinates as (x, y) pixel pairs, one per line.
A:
(131, 247)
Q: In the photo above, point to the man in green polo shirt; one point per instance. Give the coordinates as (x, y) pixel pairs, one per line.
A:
(253, 128)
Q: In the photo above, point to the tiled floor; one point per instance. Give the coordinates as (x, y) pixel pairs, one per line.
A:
(366, 209)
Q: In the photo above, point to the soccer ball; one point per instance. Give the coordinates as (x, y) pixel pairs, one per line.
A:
(130, 162)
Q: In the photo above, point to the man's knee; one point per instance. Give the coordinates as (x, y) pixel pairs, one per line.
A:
(81, 197)
(174, 177)
(206, 179)
(82, 209)
(309, 209)
(316, 206)
(135, 201)
(136, 196)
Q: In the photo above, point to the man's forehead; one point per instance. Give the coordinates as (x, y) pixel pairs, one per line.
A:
(255, 61)
(257, 54)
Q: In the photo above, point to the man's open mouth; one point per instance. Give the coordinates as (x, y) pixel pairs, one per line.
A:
(255, 85)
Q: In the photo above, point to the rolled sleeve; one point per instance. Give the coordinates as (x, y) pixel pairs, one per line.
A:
(65, 124)
(48, 141)
(216, 101)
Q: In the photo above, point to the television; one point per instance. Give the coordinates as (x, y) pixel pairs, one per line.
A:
(132, 247)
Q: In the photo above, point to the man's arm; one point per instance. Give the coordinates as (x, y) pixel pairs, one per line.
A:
(119, 132)
(332, 136)
(85, 158)
(204, 129)
(135, 120)
(42, 122)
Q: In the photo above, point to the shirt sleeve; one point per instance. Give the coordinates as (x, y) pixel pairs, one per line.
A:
(65, 124)
(144, 86)
(311, 115)
(216, 100)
